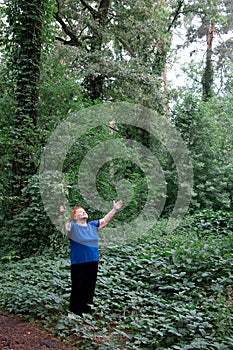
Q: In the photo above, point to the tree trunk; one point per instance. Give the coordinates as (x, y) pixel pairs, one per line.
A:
(94, 84)
(26, 27)
(208, 75)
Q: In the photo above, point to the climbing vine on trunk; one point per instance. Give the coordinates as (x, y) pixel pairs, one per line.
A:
(24, 39)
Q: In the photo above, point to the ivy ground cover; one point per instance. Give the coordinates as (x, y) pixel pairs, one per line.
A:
(165, 291)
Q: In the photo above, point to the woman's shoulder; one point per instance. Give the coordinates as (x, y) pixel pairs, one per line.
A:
(95, 223)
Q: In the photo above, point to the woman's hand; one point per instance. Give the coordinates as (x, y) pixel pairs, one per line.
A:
(107, 218)
(117, 205)
(62, 209)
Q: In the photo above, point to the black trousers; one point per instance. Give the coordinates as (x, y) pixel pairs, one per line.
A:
(83, 282)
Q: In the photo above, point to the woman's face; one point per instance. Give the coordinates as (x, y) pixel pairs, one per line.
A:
(80, 213)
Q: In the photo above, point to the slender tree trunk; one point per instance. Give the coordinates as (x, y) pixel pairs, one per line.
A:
(208, 75)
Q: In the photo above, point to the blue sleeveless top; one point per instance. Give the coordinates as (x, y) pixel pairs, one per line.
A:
(84, 242)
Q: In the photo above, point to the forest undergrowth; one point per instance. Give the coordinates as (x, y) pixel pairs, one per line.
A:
(163, 291)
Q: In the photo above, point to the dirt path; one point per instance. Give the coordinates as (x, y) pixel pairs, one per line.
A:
(19, 334)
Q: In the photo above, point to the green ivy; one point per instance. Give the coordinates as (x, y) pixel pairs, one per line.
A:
(31, 231)
(164, 291)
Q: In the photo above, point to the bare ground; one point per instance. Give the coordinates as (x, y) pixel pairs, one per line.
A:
(19, 334)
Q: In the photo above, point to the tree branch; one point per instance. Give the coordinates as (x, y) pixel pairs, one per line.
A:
(176, 14)
(73, 39)
(90, 8)
(103, 11)
(126, 46)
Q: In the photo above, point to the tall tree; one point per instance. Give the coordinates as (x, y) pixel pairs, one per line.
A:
(25, 18)
(94, 37)
(208, 73)
(121, 46)
(24, 40)
(208, 25)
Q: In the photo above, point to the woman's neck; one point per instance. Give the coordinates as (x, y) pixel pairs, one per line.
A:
(81, 222)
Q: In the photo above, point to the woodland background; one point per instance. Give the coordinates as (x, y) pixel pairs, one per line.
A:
(58, 57)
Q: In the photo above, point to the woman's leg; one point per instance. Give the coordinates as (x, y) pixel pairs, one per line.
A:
(91, 281)
(83, 282)
(77, 297)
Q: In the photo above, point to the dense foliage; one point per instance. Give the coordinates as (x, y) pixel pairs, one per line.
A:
(165, 291)
(168, 290)
(78, 53)
(206, 130)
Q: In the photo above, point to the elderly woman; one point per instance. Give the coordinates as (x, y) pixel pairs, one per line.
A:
(84, 256)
